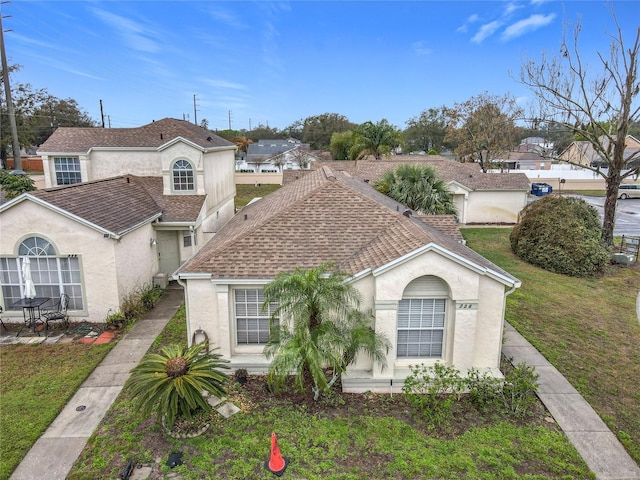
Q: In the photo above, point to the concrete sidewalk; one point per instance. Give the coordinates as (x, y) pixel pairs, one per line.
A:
(55, 452)
(591, 437)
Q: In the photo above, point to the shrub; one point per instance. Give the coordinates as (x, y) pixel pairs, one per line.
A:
(519, 390)
(434, 390)
(172, 383)
(562, 235)
(14, 185)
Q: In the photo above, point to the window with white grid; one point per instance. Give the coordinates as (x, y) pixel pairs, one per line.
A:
(183, 176)
(252, 323)
(67, 170)
(421, 327)
(51, 274)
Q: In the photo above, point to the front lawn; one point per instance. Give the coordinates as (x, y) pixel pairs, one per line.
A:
(36, 381)
(586, 327)
(343, 436)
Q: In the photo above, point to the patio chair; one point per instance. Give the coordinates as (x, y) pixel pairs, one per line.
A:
(1, 322)
(58, 314)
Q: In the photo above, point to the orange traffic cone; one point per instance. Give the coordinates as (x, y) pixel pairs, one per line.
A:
(276, 463)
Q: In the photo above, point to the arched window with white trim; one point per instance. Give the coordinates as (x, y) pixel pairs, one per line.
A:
(183, 180)
(422, 315)
(51, 274)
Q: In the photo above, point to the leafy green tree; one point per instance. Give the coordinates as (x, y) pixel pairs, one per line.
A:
(483, 128)
(14, 185)
(316, 326)
(317, 130)
(419, 188)
(376, 139)
(427, 131)
(171, 383)
(342, 144)
(264, 132)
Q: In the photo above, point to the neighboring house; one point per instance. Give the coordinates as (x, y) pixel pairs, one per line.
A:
(435, 299)
(583, 153)
(123, 206)
(535, 144)
(525, 160)
(270, 155)
(481, 198)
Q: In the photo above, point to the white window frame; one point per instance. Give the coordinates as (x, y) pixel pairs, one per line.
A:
(183, 178)
(251, 323)
(67, 170)
(51, 274)
(186, 238)
(421, 328)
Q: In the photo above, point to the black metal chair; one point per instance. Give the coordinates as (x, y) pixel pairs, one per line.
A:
(1, 322)
(59, 314)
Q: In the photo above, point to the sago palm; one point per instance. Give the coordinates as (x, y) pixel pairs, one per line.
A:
(171, 383)
(316, 326)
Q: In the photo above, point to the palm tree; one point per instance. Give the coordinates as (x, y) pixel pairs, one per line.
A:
(419, 188)
(316, 326)
(242, 143)
(375, 139)
(172, 383)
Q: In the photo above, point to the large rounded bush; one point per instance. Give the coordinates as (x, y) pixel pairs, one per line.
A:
(562, 235)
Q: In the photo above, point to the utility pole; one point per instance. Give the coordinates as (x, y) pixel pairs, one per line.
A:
(101, 113)
(229, 119)
(195, 110)
(15, 144)
(249, 124)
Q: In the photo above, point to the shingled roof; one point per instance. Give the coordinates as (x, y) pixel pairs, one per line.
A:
(466, 174)
(120, 204)
(325, 216)
(153, 135)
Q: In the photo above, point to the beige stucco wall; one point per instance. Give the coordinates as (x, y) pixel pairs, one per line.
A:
(243, 178)
(485, 206)
(110, 268)
(96, 253)
(473, 332)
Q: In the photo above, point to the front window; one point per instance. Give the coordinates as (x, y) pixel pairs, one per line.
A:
(67, 170)
(183, 176)
(252, 323)
(51, 274)
(421, 327)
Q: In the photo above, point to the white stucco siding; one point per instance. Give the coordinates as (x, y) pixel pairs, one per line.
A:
(217, 217)
(112, 163)
(219, 168)
(486, 206)
(490, 324)
(203, 313)
(96, 253)
(182, 151)
(135, 249)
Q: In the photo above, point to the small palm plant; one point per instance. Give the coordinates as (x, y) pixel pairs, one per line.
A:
(172, 383)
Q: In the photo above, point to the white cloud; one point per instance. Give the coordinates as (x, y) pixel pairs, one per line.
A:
(531, 24)
(225, 84)
(510, 8)
(135, 34)
(227, 18)
(421, 48)
(486, 31)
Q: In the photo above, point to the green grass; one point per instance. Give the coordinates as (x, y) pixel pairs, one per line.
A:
(36, 381)
(586, 327)
(246, 193)
(346, 446)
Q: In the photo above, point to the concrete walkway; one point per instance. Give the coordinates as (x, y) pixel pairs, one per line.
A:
(591, 437)
(55, 452)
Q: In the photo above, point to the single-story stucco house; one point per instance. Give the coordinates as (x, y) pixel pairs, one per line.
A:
(433, 297)
(120, 207)
(481, 198)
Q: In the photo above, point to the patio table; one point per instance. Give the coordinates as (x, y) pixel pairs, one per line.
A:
(29, 307)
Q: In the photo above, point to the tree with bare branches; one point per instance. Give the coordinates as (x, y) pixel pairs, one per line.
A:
(596, 105)
(483, 129)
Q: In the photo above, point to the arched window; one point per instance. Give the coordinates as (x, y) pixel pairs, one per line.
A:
(422, 314)
(182, 176)
(51, 274)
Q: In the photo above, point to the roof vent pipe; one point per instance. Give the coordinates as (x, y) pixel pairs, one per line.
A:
(245, 216)
(161, 137)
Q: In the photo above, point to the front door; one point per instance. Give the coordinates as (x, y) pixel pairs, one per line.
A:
(168, 251)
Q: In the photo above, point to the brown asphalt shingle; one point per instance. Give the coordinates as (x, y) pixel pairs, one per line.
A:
(325, 216)
(152, 135)
(466, 174)
(120, 203)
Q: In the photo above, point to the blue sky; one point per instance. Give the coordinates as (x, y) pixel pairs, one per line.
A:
(277, 62)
